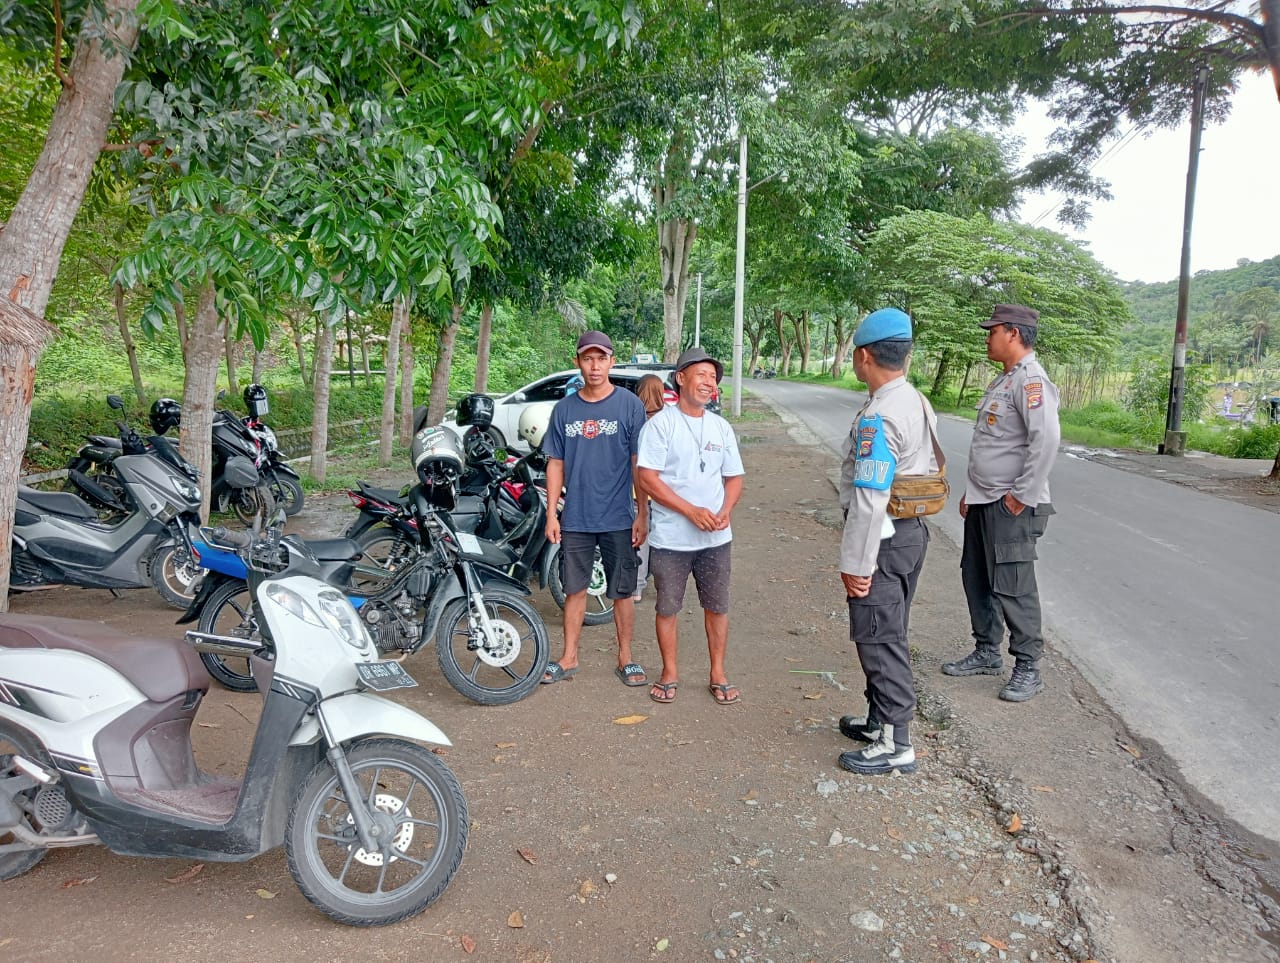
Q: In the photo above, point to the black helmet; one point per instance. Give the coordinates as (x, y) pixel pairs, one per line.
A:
(255, 399)
(476, 410)
(165, 414)
(437, 455)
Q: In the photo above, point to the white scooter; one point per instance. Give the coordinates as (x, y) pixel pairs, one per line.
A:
(95, 747)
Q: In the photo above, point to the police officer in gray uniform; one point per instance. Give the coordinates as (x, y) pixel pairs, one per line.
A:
(881, 557)
(1006, 505)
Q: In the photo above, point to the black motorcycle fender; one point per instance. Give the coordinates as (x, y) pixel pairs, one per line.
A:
(208, 585)
(451, 589)
(280, 468)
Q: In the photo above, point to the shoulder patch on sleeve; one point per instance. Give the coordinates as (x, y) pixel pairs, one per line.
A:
(875, 464)
(1035, 393)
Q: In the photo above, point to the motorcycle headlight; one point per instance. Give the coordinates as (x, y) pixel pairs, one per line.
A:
(187, 490)
(342, 618)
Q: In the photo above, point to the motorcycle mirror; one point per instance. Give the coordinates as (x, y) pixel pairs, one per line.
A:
(115, 401)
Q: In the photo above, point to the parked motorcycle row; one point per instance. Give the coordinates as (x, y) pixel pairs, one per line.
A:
(374, 826)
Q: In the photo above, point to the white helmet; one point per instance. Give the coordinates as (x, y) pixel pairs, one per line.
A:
(534, 421)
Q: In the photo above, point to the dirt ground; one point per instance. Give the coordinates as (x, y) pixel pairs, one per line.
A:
(693, 831)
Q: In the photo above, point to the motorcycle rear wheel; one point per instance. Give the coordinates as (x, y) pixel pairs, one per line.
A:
(599, 605)
(229, 611)
(247, 503)
(417, 802)
(173, 572)
(381, 548)
(494, 678)
(287, 493)
(19, 861)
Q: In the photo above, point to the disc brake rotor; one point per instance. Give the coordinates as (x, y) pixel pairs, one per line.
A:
(403, 838)
(598, 584)
(506, 644)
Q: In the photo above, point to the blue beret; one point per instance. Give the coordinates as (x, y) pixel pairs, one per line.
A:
(887, 324)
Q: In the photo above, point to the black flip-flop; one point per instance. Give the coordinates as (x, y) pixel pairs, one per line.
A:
(555, 673)
(631, 674)
(668, 690)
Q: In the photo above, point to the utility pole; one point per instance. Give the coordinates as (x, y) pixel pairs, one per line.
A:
(1175, 439)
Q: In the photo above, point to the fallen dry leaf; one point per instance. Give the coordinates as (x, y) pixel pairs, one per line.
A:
(78, 881)
(1043, 789)
(504, 745)
(995, 943)
(751, 794)
(586, 888)
(1136, 753)
(190, 873)
(515, 920)
(468, 944)
(1015, 822)
(894, 833)
(814, 695)
(265, 894)
(527, 855)
(629, 720)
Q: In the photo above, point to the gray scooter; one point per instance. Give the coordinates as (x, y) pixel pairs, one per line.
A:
(58, 539)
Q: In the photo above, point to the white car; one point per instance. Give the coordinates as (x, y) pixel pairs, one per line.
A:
(507, 408)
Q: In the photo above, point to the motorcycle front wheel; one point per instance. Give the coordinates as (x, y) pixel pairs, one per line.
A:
(599, 606)
(415, 802)
(502, 672)
(173, 572)
(229, 611)
(17, 861)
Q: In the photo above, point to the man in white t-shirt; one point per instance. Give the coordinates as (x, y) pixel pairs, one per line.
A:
(690, 468)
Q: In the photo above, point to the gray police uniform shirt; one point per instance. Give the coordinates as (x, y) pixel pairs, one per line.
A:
(902, 412)
(1016, 437)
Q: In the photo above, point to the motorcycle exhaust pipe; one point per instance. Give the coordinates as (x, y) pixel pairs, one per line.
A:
(38, 773)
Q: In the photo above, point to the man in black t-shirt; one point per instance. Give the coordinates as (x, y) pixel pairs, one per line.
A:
(591, 446)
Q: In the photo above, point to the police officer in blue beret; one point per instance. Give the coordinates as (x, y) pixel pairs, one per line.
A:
(880, 556)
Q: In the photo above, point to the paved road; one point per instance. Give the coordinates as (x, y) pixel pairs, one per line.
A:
(1165, 599)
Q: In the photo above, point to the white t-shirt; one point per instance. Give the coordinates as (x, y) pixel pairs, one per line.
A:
(693, 456)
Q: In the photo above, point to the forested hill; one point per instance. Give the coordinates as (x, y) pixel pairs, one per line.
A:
(1155, 306)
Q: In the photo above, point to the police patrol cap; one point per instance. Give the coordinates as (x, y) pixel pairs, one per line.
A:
(1012, 314)
(887, 324)
(696, 355)
(597, 340)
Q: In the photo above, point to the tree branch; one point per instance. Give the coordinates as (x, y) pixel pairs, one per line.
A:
(58, 72)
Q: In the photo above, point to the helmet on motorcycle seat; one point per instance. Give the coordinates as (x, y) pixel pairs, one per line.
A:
(165, 414)
(255, 399)
(437, 457)
(533, 423)
(476, 410)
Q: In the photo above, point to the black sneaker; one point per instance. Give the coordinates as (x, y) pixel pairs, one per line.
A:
(977, 662)
(860, 728)
(881, 757)
(1023, 684)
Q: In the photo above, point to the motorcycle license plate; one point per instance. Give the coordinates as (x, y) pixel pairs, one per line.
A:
(384, 676)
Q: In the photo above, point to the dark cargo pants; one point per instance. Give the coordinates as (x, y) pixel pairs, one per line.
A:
(998, 570)
(878, 623)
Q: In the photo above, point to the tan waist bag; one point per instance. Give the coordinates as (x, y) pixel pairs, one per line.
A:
(914, 496)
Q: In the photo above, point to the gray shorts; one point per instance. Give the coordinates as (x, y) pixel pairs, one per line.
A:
(710, 568)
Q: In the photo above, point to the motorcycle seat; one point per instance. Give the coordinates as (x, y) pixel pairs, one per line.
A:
(160, 668)
(381, 494)
(333, 549)
(57, 503)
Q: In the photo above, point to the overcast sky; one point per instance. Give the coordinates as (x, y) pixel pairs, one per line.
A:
(1138, 235)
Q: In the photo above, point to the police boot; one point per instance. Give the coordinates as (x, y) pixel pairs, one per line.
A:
(1023, 684)
(887, 754)
(981, 661)
(863, 728)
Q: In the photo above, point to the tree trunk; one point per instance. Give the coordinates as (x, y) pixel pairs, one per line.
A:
(406, 384)
(295, 332)
(482, 347)
(784, 345)
(205, 344)
(364, 358)
(1270, 10)
(320, 404)
(257, 364)
(391, 362)
(800, 324)
(233, 384)
(675, 241)
(844, 337)
(964, 384)
(940, 379)
(438, 400)
(22, 337)
(130, 349)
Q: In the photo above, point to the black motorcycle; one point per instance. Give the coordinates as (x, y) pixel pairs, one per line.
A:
(284, 482)
(450, 586)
